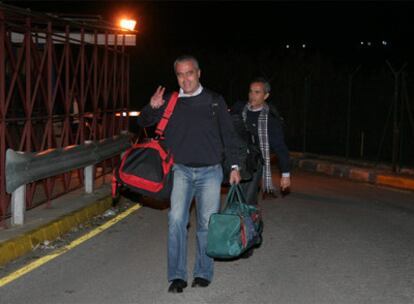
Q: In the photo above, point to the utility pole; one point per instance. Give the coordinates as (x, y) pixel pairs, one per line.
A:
(396, 116)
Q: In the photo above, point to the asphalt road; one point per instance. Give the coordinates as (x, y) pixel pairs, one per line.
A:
(329, 241)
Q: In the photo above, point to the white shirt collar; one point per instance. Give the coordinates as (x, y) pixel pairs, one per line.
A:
(195, 93)
(254, 110)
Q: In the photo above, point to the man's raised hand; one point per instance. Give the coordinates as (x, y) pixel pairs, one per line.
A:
(157, 99)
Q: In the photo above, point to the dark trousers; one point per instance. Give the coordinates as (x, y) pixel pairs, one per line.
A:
(251, 187)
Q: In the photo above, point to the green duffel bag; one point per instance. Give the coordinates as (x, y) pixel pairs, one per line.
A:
(223, 239)
(235, 229)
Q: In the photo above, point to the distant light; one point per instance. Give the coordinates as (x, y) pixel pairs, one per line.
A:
(125, 114)
(127, 24)
(287, 46)
(304, 45)
(369, 43)
(384, 42)
(362, 42)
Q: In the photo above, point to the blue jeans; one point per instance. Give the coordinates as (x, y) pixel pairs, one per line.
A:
(204, 184)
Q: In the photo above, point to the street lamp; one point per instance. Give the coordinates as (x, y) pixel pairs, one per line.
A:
(128, 24)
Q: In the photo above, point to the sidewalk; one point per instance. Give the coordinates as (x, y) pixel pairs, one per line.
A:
(47, 224)
(381, 175)
(75, 208)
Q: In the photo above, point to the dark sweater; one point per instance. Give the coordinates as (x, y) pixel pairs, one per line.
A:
(192, 133)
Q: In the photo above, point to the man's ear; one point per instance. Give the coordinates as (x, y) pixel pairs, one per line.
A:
(266, 96)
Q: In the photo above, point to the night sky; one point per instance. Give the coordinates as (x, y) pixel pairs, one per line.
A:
(237, 41)
(208, 29)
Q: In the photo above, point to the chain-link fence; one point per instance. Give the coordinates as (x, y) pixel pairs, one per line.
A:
(357, 106)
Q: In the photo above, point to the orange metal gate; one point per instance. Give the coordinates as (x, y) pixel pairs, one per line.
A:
(61, 83)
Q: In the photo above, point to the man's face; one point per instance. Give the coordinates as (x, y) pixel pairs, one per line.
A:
(257, 95)
(188, 76)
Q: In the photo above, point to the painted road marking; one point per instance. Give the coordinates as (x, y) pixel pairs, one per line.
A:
(43, 260)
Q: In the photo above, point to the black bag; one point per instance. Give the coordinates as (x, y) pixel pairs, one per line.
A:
(249, 154)
(146, 168)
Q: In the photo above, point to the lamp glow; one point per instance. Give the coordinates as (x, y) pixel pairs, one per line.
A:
(127, 24)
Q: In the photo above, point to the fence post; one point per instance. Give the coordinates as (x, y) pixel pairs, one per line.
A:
(407, 102)
(88, 178)
(18, 206)
(306, 99)
(395, 128)
(396, 116)
(88, 174)
(3, 197)
(348, 116)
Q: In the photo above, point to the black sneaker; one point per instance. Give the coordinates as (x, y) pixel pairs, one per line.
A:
(177, 286)
(200, 282)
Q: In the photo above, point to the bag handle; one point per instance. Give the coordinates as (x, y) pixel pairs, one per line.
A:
(235, 195)
(167, 114)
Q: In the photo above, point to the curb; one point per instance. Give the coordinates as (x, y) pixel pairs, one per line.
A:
(366, 175)
(17, 247)
(396, 181)
(350, 162)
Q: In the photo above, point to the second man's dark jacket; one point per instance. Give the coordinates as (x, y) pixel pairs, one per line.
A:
(275, 133)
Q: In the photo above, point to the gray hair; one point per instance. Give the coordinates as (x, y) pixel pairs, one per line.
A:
(186, 58)
(267, 87)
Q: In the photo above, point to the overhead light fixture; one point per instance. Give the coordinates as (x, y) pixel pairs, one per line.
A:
(127, 24)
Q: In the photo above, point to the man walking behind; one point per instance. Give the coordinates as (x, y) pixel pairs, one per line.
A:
(266, 132)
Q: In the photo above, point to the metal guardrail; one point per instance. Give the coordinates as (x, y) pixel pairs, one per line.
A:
(25, 167)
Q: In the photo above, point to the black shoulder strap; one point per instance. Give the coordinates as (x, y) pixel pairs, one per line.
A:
(215, 109)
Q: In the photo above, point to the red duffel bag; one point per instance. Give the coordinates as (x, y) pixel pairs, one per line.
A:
(146, 168)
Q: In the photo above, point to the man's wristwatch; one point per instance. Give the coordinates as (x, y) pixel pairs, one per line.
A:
(235, 167)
